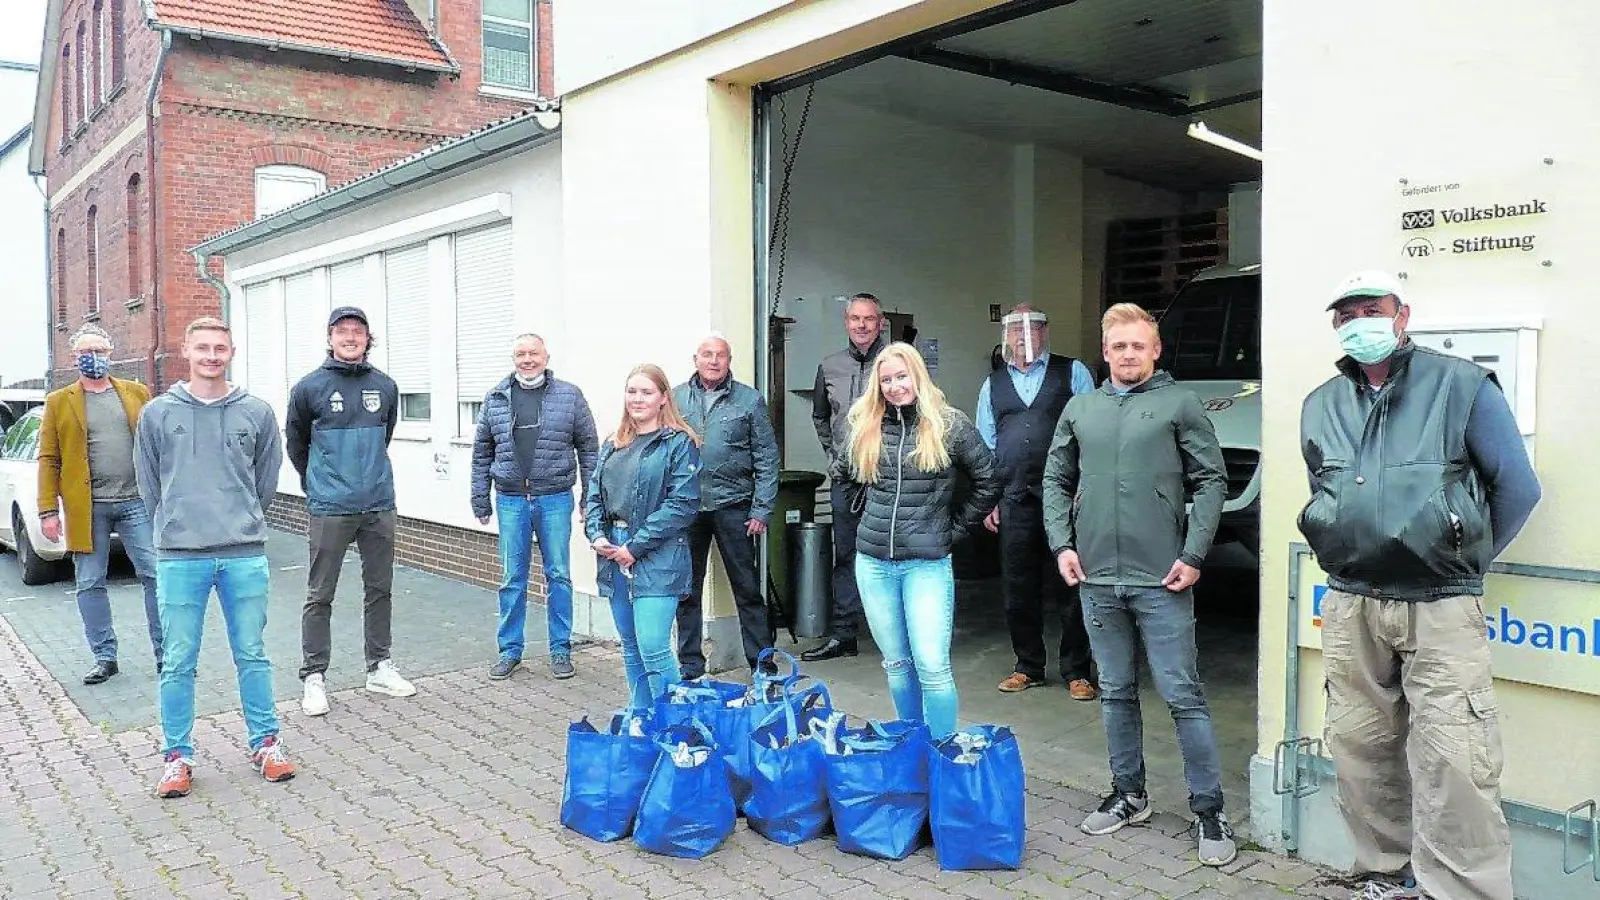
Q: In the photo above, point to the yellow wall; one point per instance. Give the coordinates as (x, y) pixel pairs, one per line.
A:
(1361, 95)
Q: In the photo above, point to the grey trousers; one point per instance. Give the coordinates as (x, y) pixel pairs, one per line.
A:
(1414, 731)
(330, 537)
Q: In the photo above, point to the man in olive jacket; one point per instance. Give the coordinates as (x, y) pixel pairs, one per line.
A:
(1124, 461)
(738, 486)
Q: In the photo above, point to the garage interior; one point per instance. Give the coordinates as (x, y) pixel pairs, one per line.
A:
(1041, 152)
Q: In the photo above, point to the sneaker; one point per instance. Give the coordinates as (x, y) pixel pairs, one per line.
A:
(386, 680)
(1387, 890)
(315, 700)
(1082, 689)
(503, 669)
(176, 776)
(270, 760)
(1118, 809)
(1216, 846)
(561, 667)
(1017, 682)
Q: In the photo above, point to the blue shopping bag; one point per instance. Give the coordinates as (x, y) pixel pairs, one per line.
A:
(788, 800)
(606, 774)
(687, 809)
(683, 702)
(976, 799)
(877, 780)
(731, 725)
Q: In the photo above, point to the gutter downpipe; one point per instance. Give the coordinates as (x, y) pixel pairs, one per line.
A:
(158, 307)
(1291, 714)
(50, 286)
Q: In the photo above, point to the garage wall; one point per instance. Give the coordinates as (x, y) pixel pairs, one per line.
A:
(941, 224)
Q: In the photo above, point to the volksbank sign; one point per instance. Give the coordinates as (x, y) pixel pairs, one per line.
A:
(1427, 218)
(1488, 218)
(1540, 631)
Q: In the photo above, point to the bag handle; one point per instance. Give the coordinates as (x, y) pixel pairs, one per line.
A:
(694, 724)
(762, 679)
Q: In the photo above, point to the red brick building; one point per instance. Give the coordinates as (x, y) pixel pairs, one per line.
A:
(156, 132)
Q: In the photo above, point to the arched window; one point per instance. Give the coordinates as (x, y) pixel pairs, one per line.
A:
(78, 73)
(280, 187)
(61, 276)
(118, 51)
(66, 91)
(94, 260)
(135, 274)
(97, 58)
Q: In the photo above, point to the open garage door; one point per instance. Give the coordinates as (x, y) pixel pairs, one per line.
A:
(1069, 155)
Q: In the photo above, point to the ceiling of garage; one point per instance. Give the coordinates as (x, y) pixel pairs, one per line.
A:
(1136, 54)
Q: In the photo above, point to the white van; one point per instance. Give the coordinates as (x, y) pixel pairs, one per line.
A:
(1211, 344)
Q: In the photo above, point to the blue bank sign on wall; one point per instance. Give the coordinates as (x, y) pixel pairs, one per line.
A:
(1540, 631)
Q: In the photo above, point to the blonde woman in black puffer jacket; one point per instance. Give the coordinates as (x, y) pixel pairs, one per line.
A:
(906, 445)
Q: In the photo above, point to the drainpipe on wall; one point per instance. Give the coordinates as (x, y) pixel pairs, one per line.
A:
(49, 285)
(158, 308)
(206, 276)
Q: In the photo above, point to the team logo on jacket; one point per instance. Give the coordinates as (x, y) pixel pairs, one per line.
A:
(371, 401)
(336, 402)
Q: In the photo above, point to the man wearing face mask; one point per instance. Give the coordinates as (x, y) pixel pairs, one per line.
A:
(341, 418)
(87, 488)
(1419, 479)
(1018, 407)
(535, 440)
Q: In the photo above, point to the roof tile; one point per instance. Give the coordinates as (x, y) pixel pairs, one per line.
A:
(381, 29)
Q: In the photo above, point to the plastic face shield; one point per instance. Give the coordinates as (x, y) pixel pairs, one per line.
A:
(1022, 337)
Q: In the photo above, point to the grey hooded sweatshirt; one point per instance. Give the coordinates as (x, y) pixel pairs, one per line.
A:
(207, 472)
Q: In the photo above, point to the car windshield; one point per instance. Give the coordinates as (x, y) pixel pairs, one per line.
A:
(1212, 330)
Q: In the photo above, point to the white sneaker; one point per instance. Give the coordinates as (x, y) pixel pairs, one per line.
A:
(385, 679)
(315, 701)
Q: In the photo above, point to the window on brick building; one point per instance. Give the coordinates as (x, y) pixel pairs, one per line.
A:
(135, 276)
(280, 187)
(92, 270)
(61, 276)
(66, 91)
(79, 74)
(97, 62)
(117, 14)
(508, 44)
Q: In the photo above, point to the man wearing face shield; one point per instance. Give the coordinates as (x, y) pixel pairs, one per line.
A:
(1018, 406)
(1419, 479)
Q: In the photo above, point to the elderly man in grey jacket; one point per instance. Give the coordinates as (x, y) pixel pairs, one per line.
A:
(738, 486)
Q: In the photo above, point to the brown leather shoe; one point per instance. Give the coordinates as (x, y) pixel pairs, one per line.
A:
(1082, 689)
(1019, 682)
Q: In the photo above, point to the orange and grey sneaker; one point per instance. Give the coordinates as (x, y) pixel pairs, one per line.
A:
(270, 760)
(1017, 682)
(1082, 689)
(176, 776)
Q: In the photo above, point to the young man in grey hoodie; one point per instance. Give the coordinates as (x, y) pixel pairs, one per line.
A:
(1124, 461)
(207, 464)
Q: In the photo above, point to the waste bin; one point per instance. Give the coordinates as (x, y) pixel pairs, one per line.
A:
(797, 502)
(811, 579)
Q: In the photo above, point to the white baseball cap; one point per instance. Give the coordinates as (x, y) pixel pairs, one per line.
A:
(1368, 283)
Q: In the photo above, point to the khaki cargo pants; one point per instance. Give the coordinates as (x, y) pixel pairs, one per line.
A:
(1414, 732)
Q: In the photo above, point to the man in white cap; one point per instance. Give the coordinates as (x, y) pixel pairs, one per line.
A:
(1419, 479)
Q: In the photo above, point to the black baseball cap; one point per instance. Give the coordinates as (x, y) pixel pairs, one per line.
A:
(348, 312)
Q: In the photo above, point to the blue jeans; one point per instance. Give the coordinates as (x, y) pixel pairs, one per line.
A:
(549, 517)
(910, 606)
(131, 521)
(185, 587)
(1118, 618)
(644, 624)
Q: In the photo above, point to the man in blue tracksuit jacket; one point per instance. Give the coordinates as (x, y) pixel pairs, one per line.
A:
(339, 423)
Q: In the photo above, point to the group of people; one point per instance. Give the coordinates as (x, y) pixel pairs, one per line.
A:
(1105, 499)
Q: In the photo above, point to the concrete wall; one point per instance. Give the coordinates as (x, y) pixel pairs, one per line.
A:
(1333, 202)
(25, 341)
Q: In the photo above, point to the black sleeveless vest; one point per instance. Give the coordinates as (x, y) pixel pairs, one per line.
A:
(1022, 432)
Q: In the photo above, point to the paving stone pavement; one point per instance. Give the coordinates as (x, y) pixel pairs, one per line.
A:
(455, 793)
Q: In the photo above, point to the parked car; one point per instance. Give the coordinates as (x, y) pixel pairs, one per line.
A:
(39, 559)
(1211, 343)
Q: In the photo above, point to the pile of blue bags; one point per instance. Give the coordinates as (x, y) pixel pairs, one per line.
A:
(677, 775)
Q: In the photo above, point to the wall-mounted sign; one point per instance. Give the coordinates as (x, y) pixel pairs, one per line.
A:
(1441, 222)
(1540, 631)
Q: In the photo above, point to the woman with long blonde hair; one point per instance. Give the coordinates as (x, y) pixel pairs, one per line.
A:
(906, 445)
(643, 496)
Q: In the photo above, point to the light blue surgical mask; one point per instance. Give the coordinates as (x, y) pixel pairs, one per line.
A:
(1370, 339)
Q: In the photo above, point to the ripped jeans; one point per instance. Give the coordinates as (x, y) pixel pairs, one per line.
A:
(910, 606)
(1119, 618)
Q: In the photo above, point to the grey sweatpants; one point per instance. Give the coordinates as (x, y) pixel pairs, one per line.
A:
(330, 537)
(1414, 731)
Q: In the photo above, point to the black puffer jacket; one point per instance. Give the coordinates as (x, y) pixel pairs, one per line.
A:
(912, 514)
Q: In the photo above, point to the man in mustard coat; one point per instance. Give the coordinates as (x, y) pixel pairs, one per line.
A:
(87, 487)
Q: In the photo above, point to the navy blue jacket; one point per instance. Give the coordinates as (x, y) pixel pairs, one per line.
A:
(338, 427)
(663, 503)
(566, 429)
(738, 451)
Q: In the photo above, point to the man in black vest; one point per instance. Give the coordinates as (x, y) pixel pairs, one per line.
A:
(1018, 406)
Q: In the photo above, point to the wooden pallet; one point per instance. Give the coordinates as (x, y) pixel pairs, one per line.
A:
(1149, 259)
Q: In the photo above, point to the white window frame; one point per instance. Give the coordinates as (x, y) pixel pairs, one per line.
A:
(284, 174)
(532, 25)
(467, 412)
